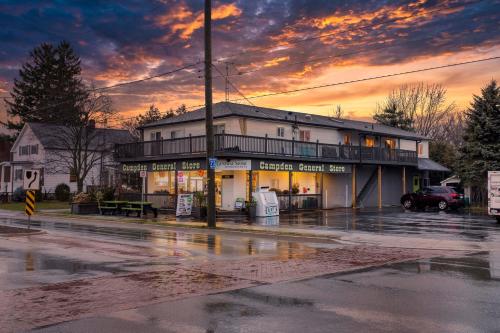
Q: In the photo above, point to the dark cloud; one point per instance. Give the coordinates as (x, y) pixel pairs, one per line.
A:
(129, 39)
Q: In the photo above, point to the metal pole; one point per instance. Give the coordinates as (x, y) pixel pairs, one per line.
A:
(209, 116)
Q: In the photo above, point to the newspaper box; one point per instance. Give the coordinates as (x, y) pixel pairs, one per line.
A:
(267, 202)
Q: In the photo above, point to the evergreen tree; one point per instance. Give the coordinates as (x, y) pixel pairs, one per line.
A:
(480, 152)
(390, 115)
(49, 88)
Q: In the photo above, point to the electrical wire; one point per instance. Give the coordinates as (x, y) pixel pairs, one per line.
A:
(369, 78)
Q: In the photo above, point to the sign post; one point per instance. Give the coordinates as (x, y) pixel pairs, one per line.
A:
(31, 183)
(30, 205)
(143, 175)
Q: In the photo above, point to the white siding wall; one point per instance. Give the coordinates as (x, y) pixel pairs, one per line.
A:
(251, 127)
(425, 150)
(55, 172)
(408, 144)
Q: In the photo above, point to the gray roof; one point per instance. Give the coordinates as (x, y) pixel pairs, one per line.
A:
(226, 109)
(426, 164)
(50, 136)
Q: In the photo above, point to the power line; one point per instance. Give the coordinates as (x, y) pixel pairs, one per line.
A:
(233, 86)
(115, 86)
(376, 46)
(392, 20)
(147, 78)
(369, 78)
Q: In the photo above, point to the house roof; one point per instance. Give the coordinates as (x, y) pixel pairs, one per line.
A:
(426, 164)
(226, 109)
(46, 133)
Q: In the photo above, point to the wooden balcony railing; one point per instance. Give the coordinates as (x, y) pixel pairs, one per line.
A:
(253, 146)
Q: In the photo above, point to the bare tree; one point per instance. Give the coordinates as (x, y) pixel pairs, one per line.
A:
(451, 129)
(419, 107)
(81, 146)
(337, 112)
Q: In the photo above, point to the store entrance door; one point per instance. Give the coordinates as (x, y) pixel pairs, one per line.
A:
(218, 190)
(227, 192)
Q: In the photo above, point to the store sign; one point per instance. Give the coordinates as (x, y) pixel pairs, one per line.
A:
(226, 165)
(190, 165)
(265, 165)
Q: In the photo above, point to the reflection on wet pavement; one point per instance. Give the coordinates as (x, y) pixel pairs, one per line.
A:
(437, 295)
(391, 221)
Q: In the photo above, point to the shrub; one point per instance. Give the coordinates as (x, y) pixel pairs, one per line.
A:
(62, 192)
(82, 198)
(19, 195)
(108, 193)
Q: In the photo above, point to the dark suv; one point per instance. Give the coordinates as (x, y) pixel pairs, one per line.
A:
(441, 197)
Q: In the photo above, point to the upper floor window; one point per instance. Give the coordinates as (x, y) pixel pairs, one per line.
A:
(155, 136)
(280, 132)
(24, 150)
(420, 149)
(347, 139)
(305, 135)
(369, 141)
(34, 150)
(220, 129)
(390, 143)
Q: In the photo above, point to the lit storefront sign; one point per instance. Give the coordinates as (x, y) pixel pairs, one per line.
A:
(191, 165)
(233, 165)
(266, 165)
(227, 165)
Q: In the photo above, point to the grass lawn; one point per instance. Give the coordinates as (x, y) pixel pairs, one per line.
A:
(51, 204)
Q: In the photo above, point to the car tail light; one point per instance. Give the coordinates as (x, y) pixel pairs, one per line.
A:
(455, 196)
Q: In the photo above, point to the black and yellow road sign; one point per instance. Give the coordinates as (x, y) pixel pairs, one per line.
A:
(30, 203)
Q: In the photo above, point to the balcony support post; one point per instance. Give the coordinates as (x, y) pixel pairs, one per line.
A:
(353, 186)
(404, 180)
(290, 185)
(190, 143)
(293, 146)
(379, 186)
(265, 143)
(317, 148)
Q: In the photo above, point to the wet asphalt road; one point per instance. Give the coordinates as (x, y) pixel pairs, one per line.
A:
(436, 295)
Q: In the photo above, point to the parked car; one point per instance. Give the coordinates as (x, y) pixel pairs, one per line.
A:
(442, 197)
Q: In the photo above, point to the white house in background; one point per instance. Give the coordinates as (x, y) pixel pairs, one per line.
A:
(35, 148)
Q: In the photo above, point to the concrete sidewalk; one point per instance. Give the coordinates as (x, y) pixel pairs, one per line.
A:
(317, 233)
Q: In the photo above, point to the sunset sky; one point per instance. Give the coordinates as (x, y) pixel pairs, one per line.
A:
(275, 45)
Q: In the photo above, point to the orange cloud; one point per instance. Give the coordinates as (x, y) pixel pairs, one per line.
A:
(182, 20)
(275, 61)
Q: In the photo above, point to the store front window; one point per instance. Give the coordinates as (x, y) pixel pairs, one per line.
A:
(161, 182)
(191, 181)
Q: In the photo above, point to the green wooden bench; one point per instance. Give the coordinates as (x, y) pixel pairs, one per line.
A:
(106, 209)
(130, 209)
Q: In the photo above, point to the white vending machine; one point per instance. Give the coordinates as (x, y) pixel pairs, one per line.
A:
(267, 202)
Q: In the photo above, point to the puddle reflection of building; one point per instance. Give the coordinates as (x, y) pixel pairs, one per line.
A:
(29, 262)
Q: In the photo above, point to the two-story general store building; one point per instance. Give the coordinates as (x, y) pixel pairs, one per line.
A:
(311, 161)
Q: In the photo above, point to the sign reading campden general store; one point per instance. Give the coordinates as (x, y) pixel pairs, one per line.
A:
(165, 166)
(263, 165)
(266, 165)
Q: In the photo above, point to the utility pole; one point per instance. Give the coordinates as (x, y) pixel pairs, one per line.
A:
(227, 82)
(209, 116)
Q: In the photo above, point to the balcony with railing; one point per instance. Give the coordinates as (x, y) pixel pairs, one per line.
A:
(242, 146)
